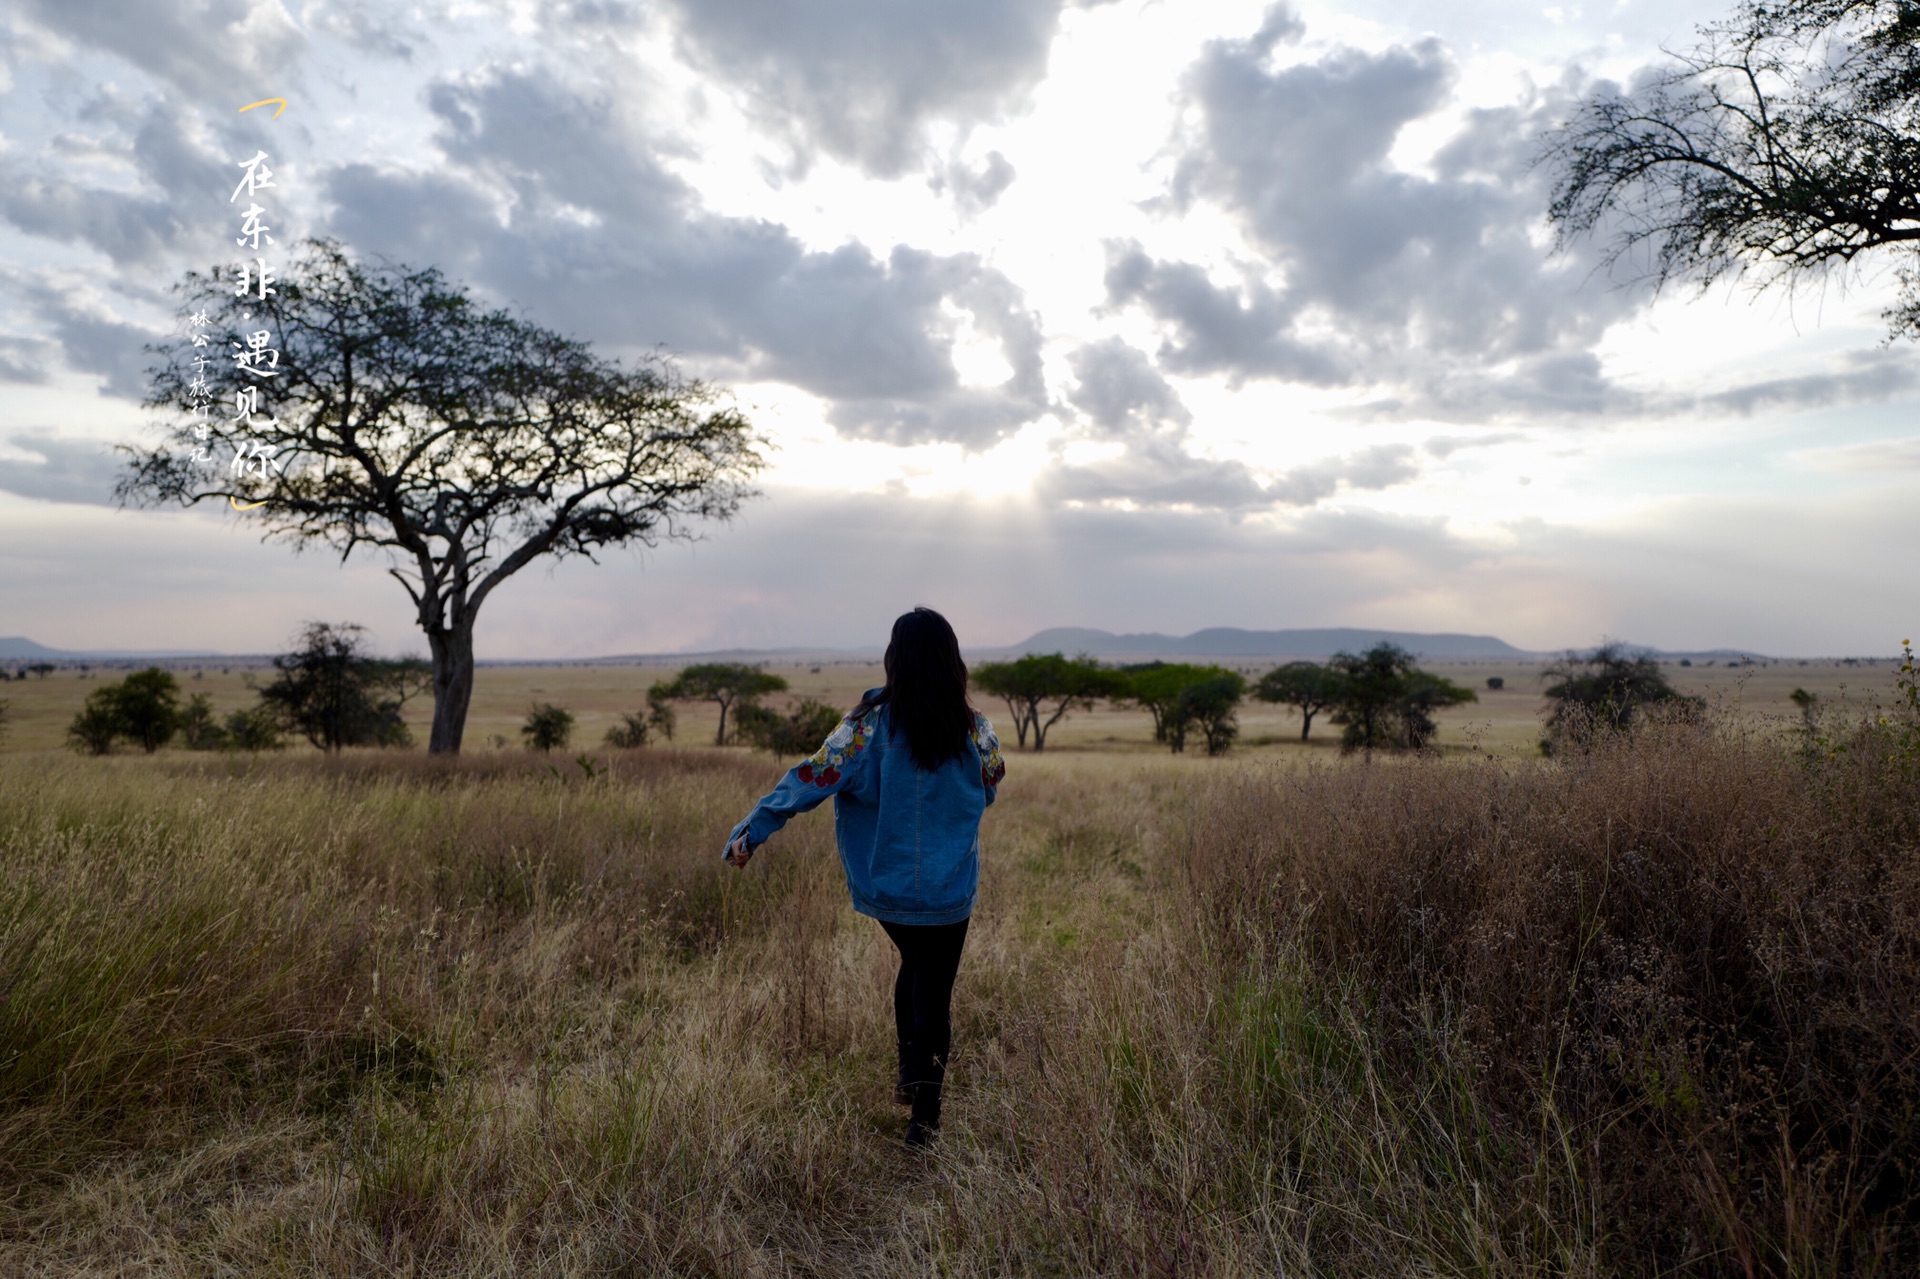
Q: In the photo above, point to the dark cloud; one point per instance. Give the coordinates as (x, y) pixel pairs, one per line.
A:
(598, 239)
(67, 470)
(862, 79)
(26, 360)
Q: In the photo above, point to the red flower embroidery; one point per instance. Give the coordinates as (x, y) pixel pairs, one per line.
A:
(829, 777)
(806, 772)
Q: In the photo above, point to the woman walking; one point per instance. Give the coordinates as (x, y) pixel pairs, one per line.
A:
(911, 770)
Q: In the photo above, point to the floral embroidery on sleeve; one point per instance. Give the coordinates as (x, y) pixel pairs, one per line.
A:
(824, 766)
(992, 767)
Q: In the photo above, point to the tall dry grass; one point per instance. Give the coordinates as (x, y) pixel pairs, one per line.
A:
(1648, 1010)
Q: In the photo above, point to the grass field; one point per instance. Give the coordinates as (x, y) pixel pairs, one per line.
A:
(1655, 1010)
(1504, 721)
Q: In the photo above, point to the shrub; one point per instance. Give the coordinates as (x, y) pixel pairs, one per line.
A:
(630, 733)
(1496, 683)
(546, 727)
(799, 732)
(199, 730)
(1605, 691)
(257, 728)
(96, 724)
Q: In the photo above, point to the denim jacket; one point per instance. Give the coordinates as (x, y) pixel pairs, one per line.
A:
(909, 839)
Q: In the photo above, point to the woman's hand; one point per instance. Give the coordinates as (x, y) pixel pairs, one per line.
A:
(738, 853)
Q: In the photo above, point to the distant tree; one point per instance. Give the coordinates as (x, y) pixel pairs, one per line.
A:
(1786, 140)
(1424, 694)
(547, 727)
(41, 669)
(97, 724)
(1307, 686)
(147, 705)
(1496, 683)
(1387, 702)
(1209, 705)
(257, 728)
(661, 718)
(199, 730)
(798, 732)
(1808, 703)
(334, 694)
(461, 443)
(1156, 686)
(1049, 684)
(630, 733)
(726, 684)
(1605, 691)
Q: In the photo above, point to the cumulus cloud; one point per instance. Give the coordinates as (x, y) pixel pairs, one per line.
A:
(1368, 274)
(975, 189)
(1123, 400)
(200, 47)
(599, 238)
(861, 80)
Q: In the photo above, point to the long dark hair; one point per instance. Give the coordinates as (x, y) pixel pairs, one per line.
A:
(926, 688)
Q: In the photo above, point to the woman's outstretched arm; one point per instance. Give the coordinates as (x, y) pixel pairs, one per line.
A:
(823, 773)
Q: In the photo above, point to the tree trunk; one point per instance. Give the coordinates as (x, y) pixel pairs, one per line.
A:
(452, 687)
(720, 738)
(1306, 723)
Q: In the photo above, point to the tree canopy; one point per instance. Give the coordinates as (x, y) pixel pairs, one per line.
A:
(1211, 705)
(332, 692)
(1788, 137)
(1308, 686)
(1386, 702)
(726, 684)
(399, 416)
(144, 708)
(1048, 685)
(1605, 690)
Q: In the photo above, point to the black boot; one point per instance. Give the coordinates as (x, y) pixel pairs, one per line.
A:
(924, 1127)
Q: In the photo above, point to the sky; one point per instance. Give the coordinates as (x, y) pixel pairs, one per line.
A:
(1122, 314)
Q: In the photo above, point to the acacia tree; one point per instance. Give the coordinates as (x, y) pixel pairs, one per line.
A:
(726, 684)
(401, 417)
(1308, 686)
(1789, 138)
(1156, 686)
(1046, 683)
(1208, 704)
(1387, 702)
(1605, 691)
(328, 689)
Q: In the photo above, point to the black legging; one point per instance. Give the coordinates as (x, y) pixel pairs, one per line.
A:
(922, 1003)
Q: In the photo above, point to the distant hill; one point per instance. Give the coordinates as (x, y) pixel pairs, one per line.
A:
(1229, 641)
(18, 648)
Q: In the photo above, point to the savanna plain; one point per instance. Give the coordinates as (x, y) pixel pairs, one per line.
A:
(1647, 1008)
